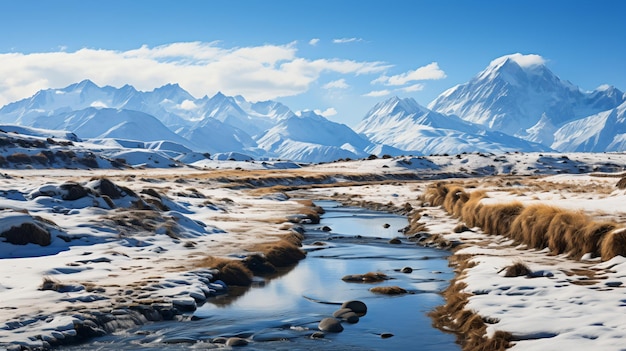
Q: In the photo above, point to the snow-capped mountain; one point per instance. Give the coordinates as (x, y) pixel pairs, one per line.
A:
(515, 104)
(404, 124)
(110, 123)
(602, 132)
(522, 97)
(310, 136)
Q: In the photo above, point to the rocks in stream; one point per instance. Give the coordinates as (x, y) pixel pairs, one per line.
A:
(331, 325)
(350, 312)
(358, 307)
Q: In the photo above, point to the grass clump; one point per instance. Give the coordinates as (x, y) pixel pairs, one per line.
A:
(282, 253)
(517, 269)
(389, 290)
(231, 272)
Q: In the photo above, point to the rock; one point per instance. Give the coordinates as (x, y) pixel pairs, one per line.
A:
(326, 228)
(236, 342)
(331, 325)
(386, 335)
(395, 241)
(358, 307)
(27, 233)
(386, 225)
(406, 270)
(219, 340)
(73, 191)
(341, 311)
(317, 335)
(185, 304)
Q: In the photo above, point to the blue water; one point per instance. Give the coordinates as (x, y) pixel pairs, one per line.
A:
(281, 313)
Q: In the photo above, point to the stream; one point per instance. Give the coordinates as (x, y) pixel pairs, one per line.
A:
(281, 313)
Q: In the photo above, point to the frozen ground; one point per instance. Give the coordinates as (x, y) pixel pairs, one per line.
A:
(103, 253)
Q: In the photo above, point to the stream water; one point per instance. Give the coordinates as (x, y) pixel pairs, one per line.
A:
(282, 313)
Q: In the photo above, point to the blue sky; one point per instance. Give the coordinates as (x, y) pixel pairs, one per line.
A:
(338, 57)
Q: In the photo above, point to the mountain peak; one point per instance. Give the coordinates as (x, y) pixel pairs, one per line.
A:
(82, 85)
(521, 60)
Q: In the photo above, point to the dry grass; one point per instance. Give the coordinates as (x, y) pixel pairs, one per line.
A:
(497, 219)
(472, 207)
(282, 253)
(388, 290)
(518, 269)
(231, 272)
(537, 226)
(591, 240)
(614, 244)
(469, 327)
(454, 200)
(531, 225)
(564, 227)
(436, 195)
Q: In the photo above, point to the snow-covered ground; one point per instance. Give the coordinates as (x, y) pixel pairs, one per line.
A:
(105, 253)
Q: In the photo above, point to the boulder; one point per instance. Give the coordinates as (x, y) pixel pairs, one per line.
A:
(358, 307)
(27, 233)
(331, 325)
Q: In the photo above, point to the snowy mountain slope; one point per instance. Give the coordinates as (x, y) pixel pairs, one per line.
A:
(111, 123)
(514, 94)
(602, 132)
(214, 136)
(312, 138)
(404, 124)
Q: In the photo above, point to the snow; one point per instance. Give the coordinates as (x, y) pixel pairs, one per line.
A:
(550, 309)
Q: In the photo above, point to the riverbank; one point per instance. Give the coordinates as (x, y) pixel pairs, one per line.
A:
(141, 241)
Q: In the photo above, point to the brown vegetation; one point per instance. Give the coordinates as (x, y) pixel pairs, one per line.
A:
(538, 226)
(388, 290)
(282, 253)
(231, 272)
(518, 269)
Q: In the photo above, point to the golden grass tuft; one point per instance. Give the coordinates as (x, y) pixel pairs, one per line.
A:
(591, 238)
(497, 219)
(282, 253)
(231, 272)
(564, 227)
(436, 195)
(454, 200)
(538, 225)
(517, 269)
(531, 226)
(472, 207)
(614, 244)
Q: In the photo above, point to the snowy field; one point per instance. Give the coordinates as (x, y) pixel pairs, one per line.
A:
(123, 237)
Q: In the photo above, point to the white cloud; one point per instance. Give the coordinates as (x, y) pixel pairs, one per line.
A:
(327, 112)
(314, 41)
(377, 93)
(258, 72)
(412, 88)
(336, 84)
(521, 59)
(428, 72)
(347, 40)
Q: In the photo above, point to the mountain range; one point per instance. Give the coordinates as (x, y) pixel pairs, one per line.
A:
(509, 106)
